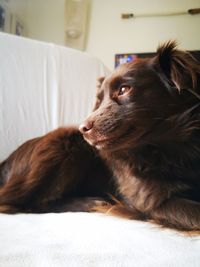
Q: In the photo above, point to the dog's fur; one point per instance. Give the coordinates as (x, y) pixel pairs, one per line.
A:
(143, 157)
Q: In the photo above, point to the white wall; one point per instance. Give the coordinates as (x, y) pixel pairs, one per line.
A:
(18, 7)
(46, 20)
(109, 34)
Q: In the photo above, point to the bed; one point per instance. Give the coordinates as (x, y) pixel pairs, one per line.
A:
(44, 86)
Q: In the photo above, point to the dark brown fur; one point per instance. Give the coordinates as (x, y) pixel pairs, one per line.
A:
(143, 157)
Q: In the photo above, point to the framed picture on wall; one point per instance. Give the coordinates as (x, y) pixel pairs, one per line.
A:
(124, 58)
(17, 26)
(4, 18)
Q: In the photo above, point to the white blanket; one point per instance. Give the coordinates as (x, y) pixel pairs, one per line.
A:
(42, 86)
(91, 240)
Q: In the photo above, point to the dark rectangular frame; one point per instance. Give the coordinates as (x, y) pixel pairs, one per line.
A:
(124, 58)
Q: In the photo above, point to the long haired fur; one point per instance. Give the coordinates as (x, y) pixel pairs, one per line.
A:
(137, 155)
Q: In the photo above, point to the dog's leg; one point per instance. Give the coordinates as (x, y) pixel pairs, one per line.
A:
(37, 168)
(77, 204)
(9, 209)
(118, 209)
(180, 214)
(83, 204)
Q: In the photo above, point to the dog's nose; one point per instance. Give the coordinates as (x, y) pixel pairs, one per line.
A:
(85, 126)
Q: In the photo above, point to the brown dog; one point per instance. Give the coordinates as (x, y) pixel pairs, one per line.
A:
(143, 156)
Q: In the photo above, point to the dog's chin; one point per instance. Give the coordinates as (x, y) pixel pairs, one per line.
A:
(103, 145)
(111, 142)
(100, 144)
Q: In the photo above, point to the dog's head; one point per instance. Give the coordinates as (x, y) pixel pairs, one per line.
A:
(148, 101)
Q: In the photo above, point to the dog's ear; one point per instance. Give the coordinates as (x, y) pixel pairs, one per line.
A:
(180, 68)
(99, 93)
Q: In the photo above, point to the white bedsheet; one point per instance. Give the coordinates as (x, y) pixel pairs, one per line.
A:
(42, 86)
(91, 240)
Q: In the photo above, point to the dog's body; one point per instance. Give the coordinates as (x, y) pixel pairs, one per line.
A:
(144, 136)
(51, 171)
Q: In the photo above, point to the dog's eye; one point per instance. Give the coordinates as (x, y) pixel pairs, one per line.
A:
(125, 89)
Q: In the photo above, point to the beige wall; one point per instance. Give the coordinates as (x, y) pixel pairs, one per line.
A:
(44, 19)
(109, 34)
(18, 7)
